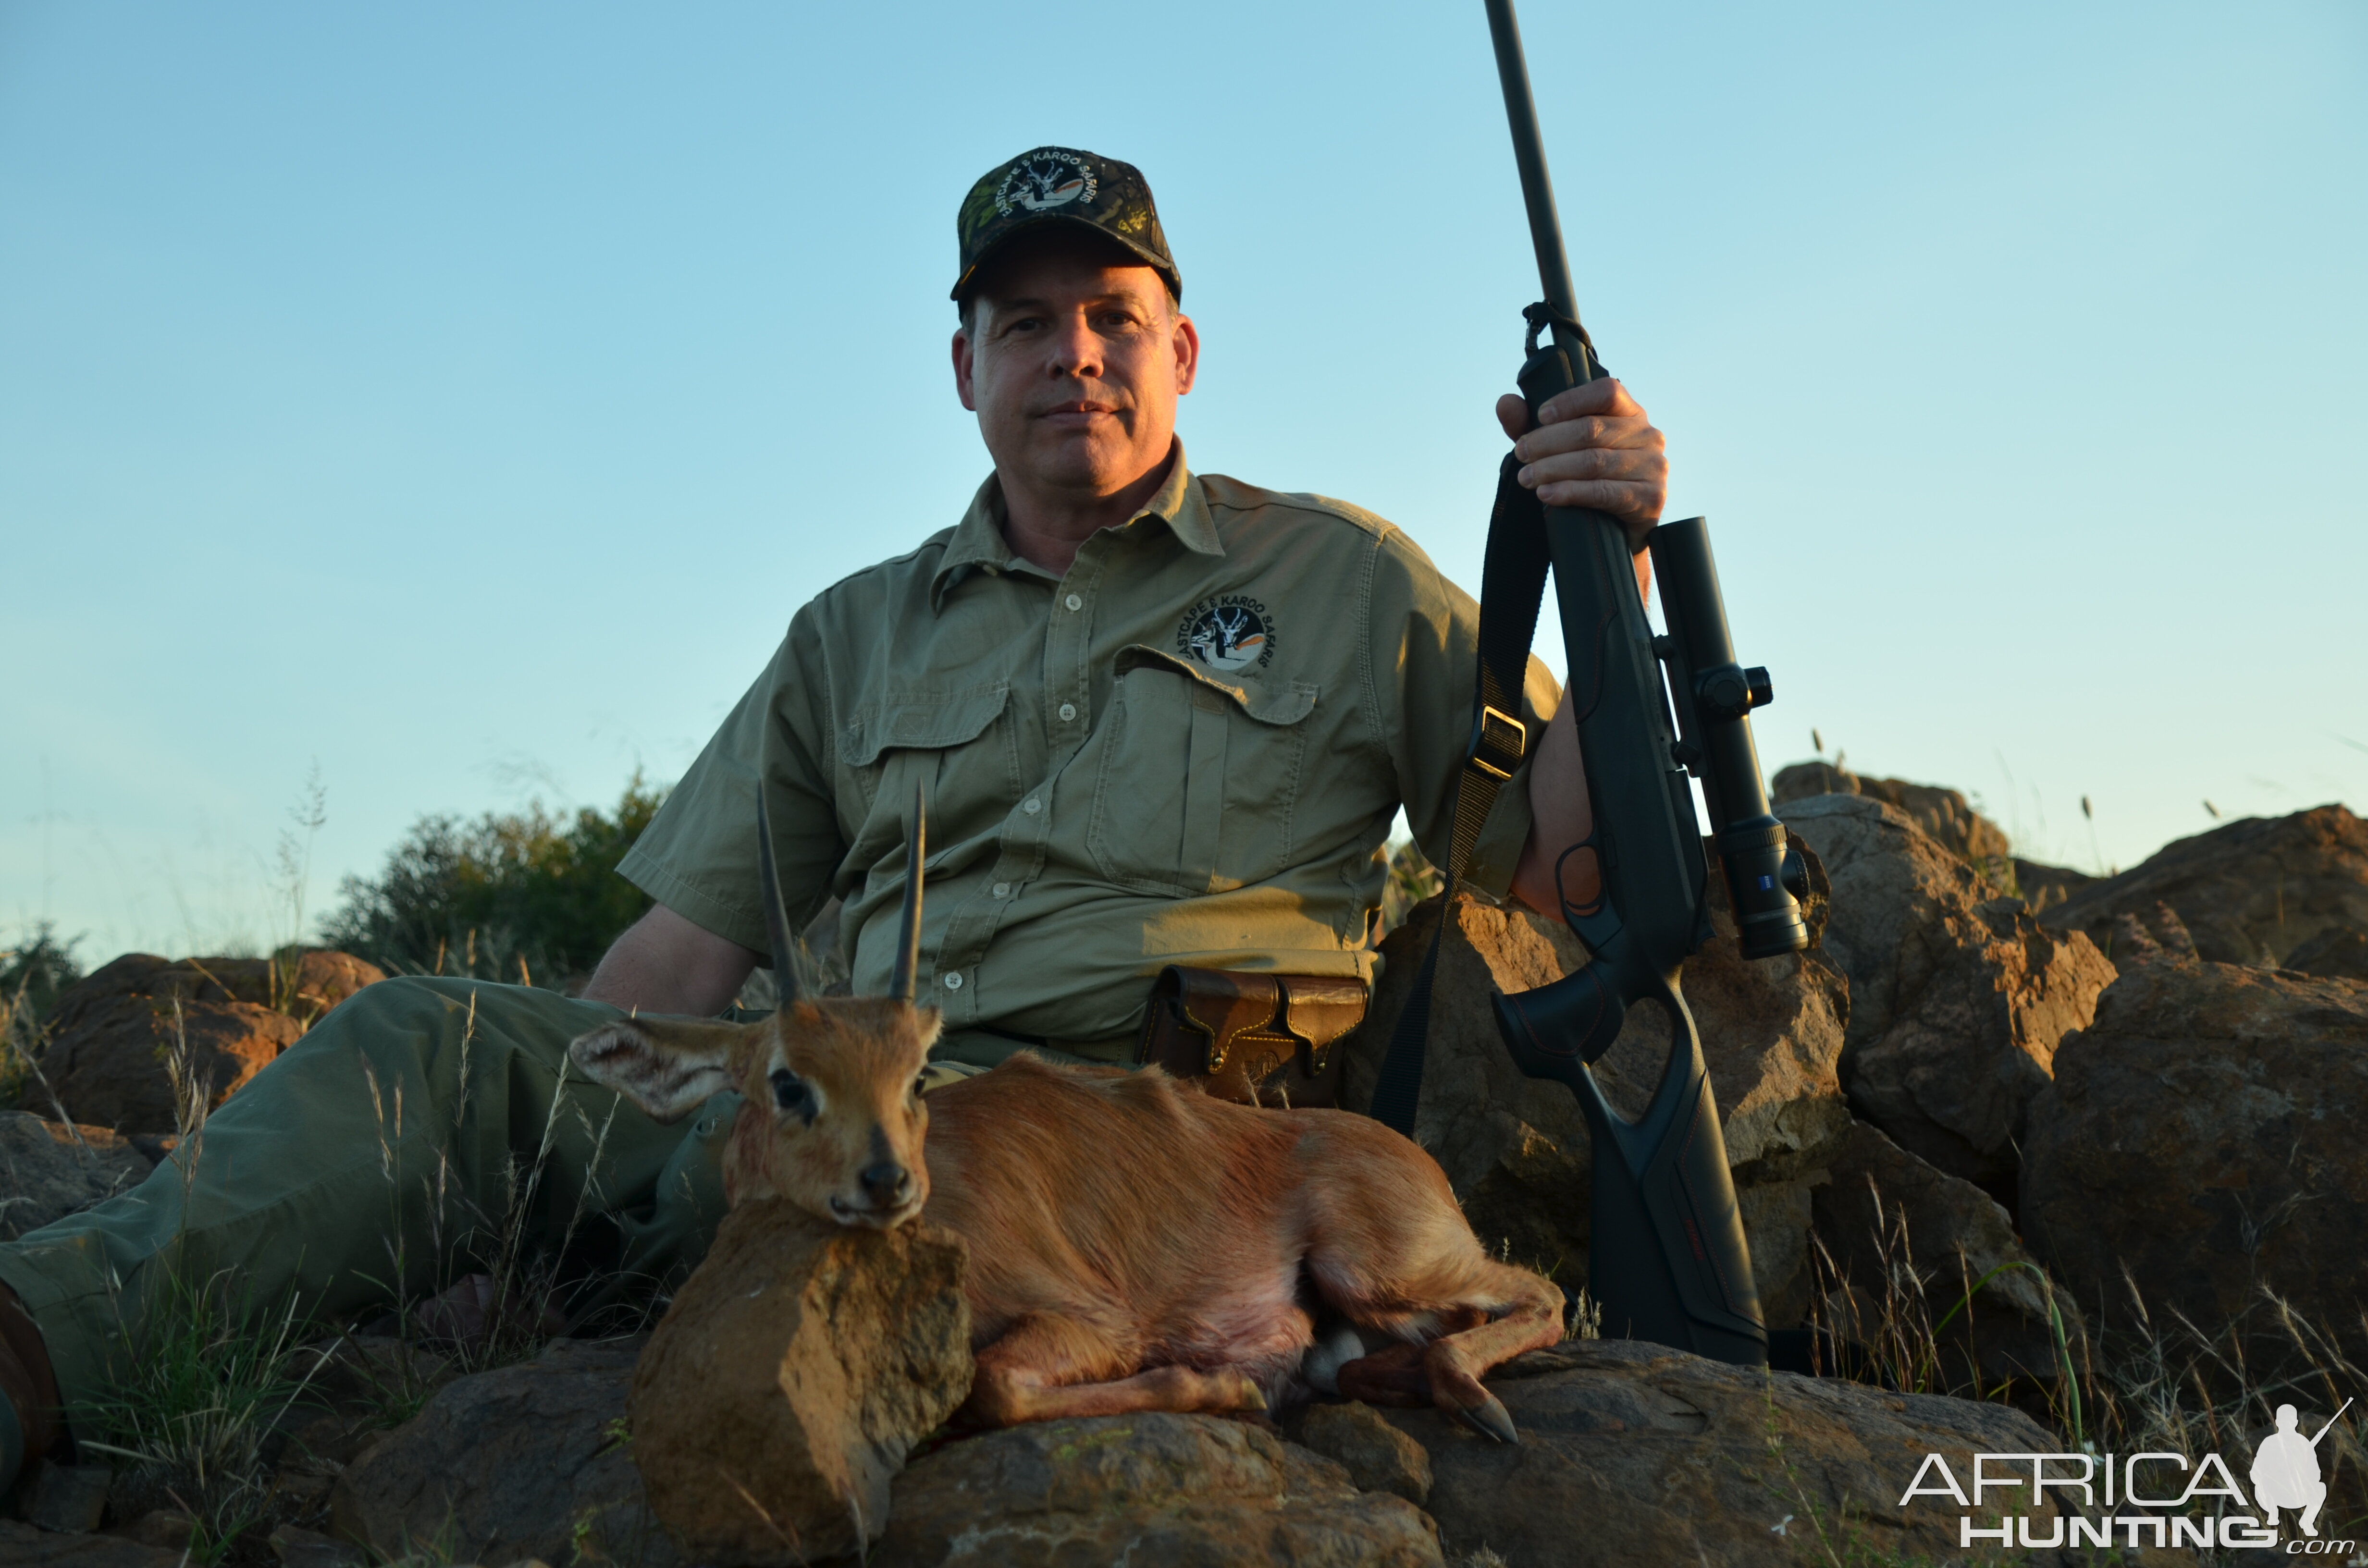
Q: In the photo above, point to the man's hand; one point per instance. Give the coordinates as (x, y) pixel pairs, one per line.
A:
(1592, 447)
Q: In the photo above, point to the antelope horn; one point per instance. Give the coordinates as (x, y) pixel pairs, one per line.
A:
(908, 931)
(776, 919)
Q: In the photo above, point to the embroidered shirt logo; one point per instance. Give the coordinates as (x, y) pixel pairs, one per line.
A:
(1045, 181)
(1227, 632)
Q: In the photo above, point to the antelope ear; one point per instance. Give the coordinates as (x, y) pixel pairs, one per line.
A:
(667, 1066)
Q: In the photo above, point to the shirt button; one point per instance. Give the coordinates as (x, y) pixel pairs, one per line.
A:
(1032, 805)
(953, 981)
(1002, 890)
(1068, 711)
(1073, 602)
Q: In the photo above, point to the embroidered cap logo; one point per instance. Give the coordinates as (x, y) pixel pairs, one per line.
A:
(1045, 181)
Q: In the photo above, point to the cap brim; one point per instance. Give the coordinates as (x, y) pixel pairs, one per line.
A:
(1156, 262)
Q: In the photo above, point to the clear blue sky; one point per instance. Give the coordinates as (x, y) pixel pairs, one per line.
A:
(463, 397)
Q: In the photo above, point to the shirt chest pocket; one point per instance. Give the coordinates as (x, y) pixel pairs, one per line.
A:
(948, 741)
(1198, 782)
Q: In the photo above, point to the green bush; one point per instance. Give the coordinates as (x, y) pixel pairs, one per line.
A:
(32, 975)
(508, 895)
(35, 970)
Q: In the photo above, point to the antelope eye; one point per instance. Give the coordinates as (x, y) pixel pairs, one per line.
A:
(789, 1090)
(921, 1084)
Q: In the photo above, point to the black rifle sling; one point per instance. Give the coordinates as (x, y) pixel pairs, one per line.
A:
(1512, 585)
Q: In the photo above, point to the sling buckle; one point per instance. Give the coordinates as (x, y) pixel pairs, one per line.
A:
(1500, 740)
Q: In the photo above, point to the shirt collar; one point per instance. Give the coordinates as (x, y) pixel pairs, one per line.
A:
(978, 543)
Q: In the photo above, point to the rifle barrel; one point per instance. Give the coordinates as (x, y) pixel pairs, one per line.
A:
(1530, 154)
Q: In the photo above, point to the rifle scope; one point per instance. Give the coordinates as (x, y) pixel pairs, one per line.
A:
(1715, 697)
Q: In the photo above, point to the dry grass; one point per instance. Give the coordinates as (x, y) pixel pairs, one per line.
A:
(198, 1423)
(32, 975)
(2145, 1382)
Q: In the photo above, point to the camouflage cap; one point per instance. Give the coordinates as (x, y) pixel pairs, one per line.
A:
(1062, 185)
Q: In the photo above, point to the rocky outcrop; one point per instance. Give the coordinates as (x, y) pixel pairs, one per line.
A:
(2044, 887)
(50, 1169)
(1178, 1491)
(2253, 891)
(304, 984)
(1517, 1150)
(1377, 1455)
(71, 1499)
(1633, 1453)
(119, 1039)
(118, 1066)
(1944, 815)
(532, 1461)
(2203, 1134)
(794, 1372)
(1882, 1211)
(2338, 953)
(1958, 998)
(25, 1546)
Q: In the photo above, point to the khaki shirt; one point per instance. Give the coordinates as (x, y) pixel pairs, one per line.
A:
(1187, 750)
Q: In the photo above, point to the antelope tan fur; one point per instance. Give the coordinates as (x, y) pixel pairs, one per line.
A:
(1135, 1245)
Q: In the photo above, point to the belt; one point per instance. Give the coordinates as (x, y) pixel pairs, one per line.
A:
(1116, 1051)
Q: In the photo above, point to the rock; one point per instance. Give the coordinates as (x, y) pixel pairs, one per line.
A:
(110, 1036)
(2204, 1133)
(1957, 999)
(49, 1170)
(794, 1372)
(528, 1461)
(24, 1546)
(309, 1549)
(1517, 1149)
(306, 983)
(350, 1381)
(70, 1498)
(1178, 1491)
(112, 1066)
(2252, 892)
(2043, 886)
(1633, 1452)
(1377, 1455)
(1944, 815)
(1956, 1236)
(2337, 952)
(168, 1529)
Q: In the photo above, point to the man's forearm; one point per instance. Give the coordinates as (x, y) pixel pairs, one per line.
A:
(665, 963)
(1560, 816)
(1560, 813)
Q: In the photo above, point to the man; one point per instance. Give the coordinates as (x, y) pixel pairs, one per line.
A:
(1161, 718)
(2286, 1472)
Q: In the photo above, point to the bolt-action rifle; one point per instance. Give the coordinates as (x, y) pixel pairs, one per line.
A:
(1668, 1259)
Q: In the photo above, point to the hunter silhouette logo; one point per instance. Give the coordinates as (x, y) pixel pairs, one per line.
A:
(2156, 1499)
(1046, 180)
(2286, 1471)
(1229, 632)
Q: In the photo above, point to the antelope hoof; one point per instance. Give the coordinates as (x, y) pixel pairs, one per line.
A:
(1393, 1375)
(1489, 1418)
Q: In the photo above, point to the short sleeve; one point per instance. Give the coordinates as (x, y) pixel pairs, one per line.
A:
(698, 856)
(1426, 638)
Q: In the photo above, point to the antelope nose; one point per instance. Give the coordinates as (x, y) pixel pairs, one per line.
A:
(887, 1184)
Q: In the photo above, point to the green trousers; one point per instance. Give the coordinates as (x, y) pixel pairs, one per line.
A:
(383, 1155)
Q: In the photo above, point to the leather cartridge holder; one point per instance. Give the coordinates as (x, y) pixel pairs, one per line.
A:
(1263, 1039)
